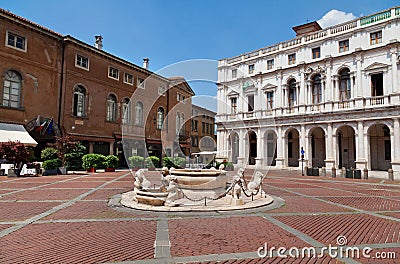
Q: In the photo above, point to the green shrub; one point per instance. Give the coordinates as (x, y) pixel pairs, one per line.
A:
(49, 154)
(111, 161)
(152, 162)
(93, 161)
(73, 160)
(176, 162)
(52, 164)
(136, 161)
(179, 162)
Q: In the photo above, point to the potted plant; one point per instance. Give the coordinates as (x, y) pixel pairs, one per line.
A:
(91, 162)
(51, 166)
(152, 162)
(16, 153)
(136, 162)
(69, 151)
(110, 163)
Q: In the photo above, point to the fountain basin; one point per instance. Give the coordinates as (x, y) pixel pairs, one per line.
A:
(151, 197)
(197, 184)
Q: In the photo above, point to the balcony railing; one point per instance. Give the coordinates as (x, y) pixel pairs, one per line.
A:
(324, 33)
(377, 100)
(375, 18)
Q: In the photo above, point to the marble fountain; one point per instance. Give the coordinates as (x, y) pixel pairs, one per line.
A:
(196, 190)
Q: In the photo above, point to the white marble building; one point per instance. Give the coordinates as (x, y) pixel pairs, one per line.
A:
(333, 92)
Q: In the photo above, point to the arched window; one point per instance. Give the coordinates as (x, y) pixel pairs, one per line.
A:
(139, 113)
(126, 111)
(344, 85)
(177, 123)
(292, 93)
(160, 118)
(79, 101)
(12, 89)
(111, 108)
(316, 89)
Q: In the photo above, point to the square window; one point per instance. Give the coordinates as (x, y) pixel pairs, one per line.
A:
(251, 68)
(16, 41)
(82, 62)
(234, 73)
(140, 83)
(316, 53)
(270, 64)
(292, 59)
(113, 73)
(343, 45)
(128, 78)
(376, 38)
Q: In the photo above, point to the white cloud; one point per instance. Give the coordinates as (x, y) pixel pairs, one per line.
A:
(334, 17)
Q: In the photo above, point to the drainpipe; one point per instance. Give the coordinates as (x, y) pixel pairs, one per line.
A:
(61, 85)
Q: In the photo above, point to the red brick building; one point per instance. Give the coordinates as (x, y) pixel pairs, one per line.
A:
(94, 96)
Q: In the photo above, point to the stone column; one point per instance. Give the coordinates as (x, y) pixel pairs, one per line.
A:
(242, 148)
(360, 159)
(279, 149)
(358, 93)
(303, 143)
(302, 94)
(395, 88)
(330, 161)
(395, 144)
(260, 145)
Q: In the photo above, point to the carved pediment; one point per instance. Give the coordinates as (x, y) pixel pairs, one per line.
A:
(309, 72)
(269, 87)
(376, 66)
(233, 94)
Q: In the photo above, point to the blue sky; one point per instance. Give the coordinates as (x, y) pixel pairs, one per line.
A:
(172, 31)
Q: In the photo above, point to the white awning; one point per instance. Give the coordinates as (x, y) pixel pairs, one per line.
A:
(205, 153)
(12, 132)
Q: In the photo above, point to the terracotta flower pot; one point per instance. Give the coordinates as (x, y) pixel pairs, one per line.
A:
(109, 169)
(91, 170)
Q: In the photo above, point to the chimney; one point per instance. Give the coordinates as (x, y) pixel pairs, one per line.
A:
(146, 63)
(99, 42)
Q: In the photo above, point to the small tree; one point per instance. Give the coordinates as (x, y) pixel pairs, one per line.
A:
(15, 152)
(68, 149)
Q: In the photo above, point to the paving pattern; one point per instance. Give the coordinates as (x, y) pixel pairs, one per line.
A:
(78, 219)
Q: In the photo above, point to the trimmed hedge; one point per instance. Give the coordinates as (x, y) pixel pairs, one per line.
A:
(52, 164)
(136, 162)
(93, 161)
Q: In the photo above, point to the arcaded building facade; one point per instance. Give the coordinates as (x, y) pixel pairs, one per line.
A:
(333, 92)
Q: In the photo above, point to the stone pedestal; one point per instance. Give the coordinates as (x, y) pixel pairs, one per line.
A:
(259, 162)
(279, 163)
(329, 164)
(240, 161)
(236, 201)
(396, 170)
(359, 102)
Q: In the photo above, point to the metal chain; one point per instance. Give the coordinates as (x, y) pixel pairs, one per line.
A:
(244, 191)
(208, 198)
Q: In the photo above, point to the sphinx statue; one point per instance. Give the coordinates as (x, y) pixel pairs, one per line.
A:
(256, 182)
(141, 182)
(173, 192)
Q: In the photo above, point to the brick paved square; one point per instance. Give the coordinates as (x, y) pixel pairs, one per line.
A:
(324, 192)
(76, 184)
(357, 228)
(91, 242)
(45, 194)
(104, 194)
(306, 205)
(92, 210)
(369, 203)
(12, 211)
(224, 235)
